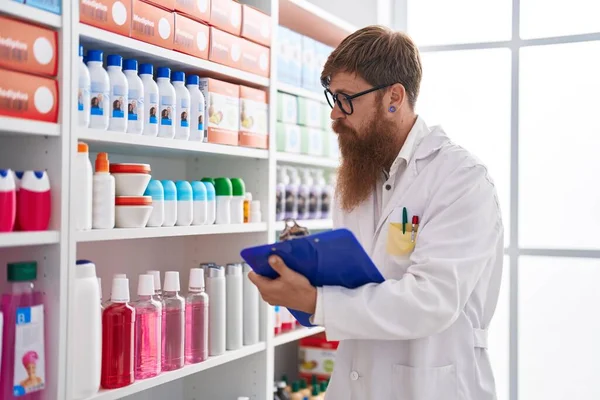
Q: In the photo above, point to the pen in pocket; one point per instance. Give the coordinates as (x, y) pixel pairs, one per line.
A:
(415, 226)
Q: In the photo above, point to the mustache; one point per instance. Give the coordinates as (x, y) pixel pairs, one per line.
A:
(339, 128)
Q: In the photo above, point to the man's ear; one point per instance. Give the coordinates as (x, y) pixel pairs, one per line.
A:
(397, 96)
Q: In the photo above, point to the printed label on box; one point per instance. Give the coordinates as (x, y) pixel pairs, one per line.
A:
(255, 58)
(28, 96)
(152, 24)
(110, 15)
(225, 48)
(256, 26)
(30, 368)
(226, 15)
(196, 9)
(191, 37)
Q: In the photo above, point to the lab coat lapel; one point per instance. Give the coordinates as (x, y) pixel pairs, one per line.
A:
(365, 222)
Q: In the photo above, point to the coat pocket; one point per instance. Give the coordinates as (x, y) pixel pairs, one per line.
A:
(425, 383)
(400, 242)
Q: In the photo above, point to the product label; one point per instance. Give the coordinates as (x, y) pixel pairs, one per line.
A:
(152, 108)
(83, 96)
(312, 202)
(99, 98)
(200, 116)
(314, 360)
(135, 103)
(167, 109)
(184, 114)
(291, 201)
(302, 203)
(253, 117)
(118, 101)
(224, 112)
(30, 365)
(325, 202)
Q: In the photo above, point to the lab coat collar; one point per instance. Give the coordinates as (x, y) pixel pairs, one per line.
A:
(413, 139)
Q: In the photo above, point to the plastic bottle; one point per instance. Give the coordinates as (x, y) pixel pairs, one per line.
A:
(247, 201)
(251, 310)
(118, 321)
(182, 129)
(167, 109)
(119, 90)
(196, 319)
(103, 199)
(216, 290)
(304, 195)
(173, 324)
(255, 214)
(157, 288)
(327, 196)
(291, 194)
(150, 100)
(156, 191)
(200, 203)
(185, 205)
(148, 328)
(280, 199)
(211, 203)
(196, 108)
(281, 392)
(18, 177)
(235, 306)
(296, 395)
(287, 320)
(99, 91)
(237, 201)
(34, 203)
(8, 200)
(170, 203)
(86, 331)
(135, 98)
(277, 319)
(83, 184)
(315, 200)
(224, 193)
(83, 92)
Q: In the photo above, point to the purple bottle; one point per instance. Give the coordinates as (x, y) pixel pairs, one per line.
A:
(173, 324)
(148, 329)
(291, 194)
(196, 319)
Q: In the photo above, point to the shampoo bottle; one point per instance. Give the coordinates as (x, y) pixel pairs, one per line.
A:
(135, 98)
(182, 130)
(99, 91)
(34, 202)
(235, 304)
(173, 324)
(103, 199)
(119, 90)
(251, 309)
(83, 92)
(196, 108)
(167, 98)
(150, 114)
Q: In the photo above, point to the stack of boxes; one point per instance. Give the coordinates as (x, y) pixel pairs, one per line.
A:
(54, 6)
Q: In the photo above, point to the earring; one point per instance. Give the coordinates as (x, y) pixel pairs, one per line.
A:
(392, 109)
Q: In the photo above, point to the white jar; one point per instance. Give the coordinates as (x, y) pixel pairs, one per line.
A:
(83, 92)
(182, 130)
(156, 191)
(83, 186)
(118, 94)
(200, 206)
(211, 204)
(103, 200)
(196, 108)
(99, 91)
(255, 214)
(150, 100)
(167, 110)
(185, 206)
(170, 203)
(135, 98)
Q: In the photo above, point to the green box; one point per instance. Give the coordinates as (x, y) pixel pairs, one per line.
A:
(310, 113)
(288, 138)
(312, 141)
(326, 124)
(287, 108)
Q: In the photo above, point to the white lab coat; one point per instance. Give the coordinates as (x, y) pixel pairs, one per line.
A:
(422, 334)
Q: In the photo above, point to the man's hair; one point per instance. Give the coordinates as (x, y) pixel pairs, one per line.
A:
(381, 57)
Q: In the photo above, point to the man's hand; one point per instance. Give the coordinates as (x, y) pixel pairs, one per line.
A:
(290, 290)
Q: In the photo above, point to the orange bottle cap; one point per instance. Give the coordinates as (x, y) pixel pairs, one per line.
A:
(102, 162)
(82, 147)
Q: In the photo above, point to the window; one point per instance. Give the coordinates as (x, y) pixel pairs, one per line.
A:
(543, 18)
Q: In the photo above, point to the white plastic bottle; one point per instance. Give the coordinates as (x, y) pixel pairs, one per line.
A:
(255, 213)
(170, 206)
(167, 110)
(237, 201)
(235, 306)
(197, 104)
(83, 92)
(211, 203)
(83, 186)
(182, 130)
(103, 198)
(185, 205)
(200, 206)
(156, 191)
(150, 100)
(251, 310)
(135, 98)
(216, 290)
(118, 93)
(99, 91)
(86, 332)
(224, 194)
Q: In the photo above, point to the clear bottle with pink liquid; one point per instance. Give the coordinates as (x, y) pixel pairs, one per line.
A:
(196, 319)
(148, 327)
(23, 372)
(173, 323)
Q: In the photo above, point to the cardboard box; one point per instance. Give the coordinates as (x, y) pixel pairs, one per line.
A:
(322, 54)
(290, 57)
(255, 58)
(312, 141)
(110, 15)
(168, 5)
(28, 96)
(316, 357)
(152, 25)
(282, 59)
(198, 10)
(287, 108)
(225, 48)
(28, 48)
(226, 15)
(222, 111)
(309, 74)
(254, 118)
(191, 37)
(256, 26)
(288, 138)
(310, 113)
(47, 5)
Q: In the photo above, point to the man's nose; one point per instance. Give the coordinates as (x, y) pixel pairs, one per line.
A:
(336, 113)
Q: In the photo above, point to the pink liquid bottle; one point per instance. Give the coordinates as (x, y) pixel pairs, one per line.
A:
(196, 319)
(34, 205)
(23, 372)
(8, 201)
(148, 327)
(118, 321)
(173, 323)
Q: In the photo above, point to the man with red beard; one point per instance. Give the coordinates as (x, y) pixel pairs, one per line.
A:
(426, 212)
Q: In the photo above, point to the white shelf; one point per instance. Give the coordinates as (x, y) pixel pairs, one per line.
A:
(296, 91)
(99, 235)
(19, 126)
(18, 239)
(118, 142)
(29, 13)
(302, 159)
(165, 377)
(296, 334)
(92, 37)
(316, 224)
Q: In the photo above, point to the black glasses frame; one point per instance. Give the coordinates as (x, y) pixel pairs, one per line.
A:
(349, 98)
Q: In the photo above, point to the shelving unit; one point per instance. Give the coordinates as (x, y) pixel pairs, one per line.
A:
(305, 160)
(296, 334)
(17, 126)
(20, 239)
(296, 91)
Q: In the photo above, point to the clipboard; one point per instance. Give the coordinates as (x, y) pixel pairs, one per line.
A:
(333, 258)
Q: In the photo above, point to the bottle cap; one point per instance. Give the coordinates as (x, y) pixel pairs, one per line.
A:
(122, 276)
(102, 163)
(145, 285)
(178, 76)
(171, 281)
(255, 206)
(284, 378)
(196, 280)
(184, 191)
(146, 69)
(95, 55)
(170, 190)
(323, 386)
(199, 191)
(248, 196)
(130, 65)
(156, 275)
(210, 191)
(155, 190)
(238, 186)
(205, 179)
(120, 290)
(216, 271)
(223, 187)
(22, 271)
(246, 268)
(8, 181)
(133, 201)
(192, 80)
(315, 390)
(302, 384)
(295, 387)
(85, 269)
(281, 384)
(82, 147)
(234, 269)
(80, 51)
(163, 72)
(114, 60)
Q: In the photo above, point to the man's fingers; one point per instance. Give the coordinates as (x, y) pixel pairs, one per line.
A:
(257, 279)
(278, 265)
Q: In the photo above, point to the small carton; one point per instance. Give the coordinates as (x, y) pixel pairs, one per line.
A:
(312, 141)
(254, 114)
(255, 58)
(191, 37)
(47, 5)
(310, 113)
(222, 111)
(309, 63)
(110, 15)
(322, 52)
(168, 5)
(288, 138)
(195, 9)
(152, 25)
(28, 96)
(293, 52)
(225, 48)
(28, 48)
(283, 59)
(316, 356)
(256, 26)
(287, 108)
(226, 15)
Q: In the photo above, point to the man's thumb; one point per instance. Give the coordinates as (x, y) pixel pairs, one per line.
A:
(278, 265)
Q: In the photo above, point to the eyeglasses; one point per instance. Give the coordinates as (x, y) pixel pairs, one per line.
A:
(344, 101)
